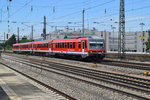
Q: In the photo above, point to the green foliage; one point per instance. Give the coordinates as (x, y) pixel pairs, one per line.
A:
(11, 41)
(24, 39)
(8, 47)
(148, 42)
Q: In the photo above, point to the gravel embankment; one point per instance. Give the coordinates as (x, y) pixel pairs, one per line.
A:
(75, 88)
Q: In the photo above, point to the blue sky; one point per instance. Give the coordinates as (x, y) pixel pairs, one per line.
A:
(24, 13)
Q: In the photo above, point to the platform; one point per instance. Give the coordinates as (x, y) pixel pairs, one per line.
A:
(13, 87)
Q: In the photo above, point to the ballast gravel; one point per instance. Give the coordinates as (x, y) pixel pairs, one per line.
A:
(75, 88)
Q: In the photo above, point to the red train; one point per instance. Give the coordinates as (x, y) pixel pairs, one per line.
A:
(85, 48)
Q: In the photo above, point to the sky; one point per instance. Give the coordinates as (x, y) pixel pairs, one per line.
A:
(62, 13)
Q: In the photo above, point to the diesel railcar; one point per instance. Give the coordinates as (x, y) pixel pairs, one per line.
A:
(82, 47)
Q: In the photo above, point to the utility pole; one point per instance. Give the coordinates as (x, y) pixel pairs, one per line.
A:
(4, 41)
(44, 29)
(105, 40)
(4, 37)
(18, 33)
(143, 33)
(32, 33)
(83, 22)
(1, 15)
(56, 32)
(113, 28)
(121, 35)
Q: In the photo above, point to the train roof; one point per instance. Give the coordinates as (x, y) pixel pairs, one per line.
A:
(45, 41)
(22, 43)
(60, 40)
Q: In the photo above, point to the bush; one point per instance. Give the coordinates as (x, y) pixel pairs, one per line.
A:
(8, 47)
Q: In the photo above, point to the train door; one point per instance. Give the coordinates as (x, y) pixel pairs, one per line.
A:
(50, 46)
(83, 46)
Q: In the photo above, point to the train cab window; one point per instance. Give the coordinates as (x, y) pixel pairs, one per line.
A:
(84, 44)
(79, 44)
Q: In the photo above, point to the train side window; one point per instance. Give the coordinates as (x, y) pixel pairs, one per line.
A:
(63, 45)
(49, 45)
(46, 45)
(56, 45)
(24, 46)
(60, 45)
(68, 46)
(79, 44)
(73, 44)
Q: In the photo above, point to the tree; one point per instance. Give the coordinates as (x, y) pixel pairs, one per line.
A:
(11, 40)
(148, 42)
(24, 39)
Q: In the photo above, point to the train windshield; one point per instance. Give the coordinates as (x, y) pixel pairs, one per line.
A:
(96, 45)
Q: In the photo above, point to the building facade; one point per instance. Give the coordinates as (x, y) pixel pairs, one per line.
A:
(135, 41)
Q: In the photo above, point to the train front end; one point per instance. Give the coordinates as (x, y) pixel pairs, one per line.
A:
(96, 48)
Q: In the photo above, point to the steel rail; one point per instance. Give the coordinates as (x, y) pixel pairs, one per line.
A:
(119, 90)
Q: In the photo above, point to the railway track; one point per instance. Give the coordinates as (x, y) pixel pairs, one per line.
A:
(39, 82)
(124, 64)
(141, 66)
(140, 87)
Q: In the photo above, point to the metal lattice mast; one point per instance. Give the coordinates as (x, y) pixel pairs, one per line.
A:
(44, 29)
(121, 38)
